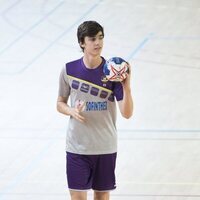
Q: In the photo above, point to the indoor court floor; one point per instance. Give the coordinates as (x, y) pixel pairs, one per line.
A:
(159, 147)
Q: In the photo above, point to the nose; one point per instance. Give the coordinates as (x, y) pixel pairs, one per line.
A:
(98, 41)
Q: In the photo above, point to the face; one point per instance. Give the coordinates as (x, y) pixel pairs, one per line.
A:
(93, 45)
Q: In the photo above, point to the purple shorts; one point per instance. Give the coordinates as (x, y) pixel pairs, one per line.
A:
(95, 172)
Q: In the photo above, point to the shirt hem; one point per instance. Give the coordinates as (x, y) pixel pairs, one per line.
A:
(92, 153)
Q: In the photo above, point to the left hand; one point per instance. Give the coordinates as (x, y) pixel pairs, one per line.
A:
(126, 83)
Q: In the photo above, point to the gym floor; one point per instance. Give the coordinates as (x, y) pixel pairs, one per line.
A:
(159, 147)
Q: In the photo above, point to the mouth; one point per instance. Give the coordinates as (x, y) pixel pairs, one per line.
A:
(97, 48)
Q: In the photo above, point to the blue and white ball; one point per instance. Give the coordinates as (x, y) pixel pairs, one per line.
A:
(115, 69)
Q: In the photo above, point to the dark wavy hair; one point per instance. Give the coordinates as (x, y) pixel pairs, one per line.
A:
(88, 28)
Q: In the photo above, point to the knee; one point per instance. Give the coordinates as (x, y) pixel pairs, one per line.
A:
(75, 195)
(101, 195)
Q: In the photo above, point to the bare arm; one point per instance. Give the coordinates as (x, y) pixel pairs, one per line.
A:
(126, 105)
(65, 109)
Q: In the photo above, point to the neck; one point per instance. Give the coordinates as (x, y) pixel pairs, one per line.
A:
(91, 61)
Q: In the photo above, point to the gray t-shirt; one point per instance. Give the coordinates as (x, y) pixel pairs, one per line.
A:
(98, 134)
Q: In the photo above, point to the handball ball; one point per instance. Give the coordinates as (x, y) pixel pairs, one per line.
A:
(115, 69)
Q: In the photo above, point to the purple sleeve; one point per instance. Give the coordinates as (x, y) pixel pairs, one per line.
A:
(118, 91)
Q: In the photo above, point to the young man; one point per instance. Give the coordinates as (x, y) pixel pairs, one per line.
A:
(91, 142)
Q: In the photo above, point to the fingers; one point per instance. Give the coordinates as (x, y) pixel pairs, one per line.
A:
(81, 106)
(129, 71)
(129, 68)
(126, 82)
(77, 115)
(78, 109)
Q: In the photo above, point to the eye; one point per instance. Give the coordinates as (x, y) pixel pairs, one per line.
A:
(92, 39)
(101, 37)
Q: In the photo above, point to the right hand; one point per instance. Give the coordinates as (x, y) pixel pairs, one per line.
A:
(76, 113)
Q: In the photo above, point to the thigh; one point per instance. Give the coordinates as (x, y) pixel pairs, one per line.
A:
(104, 176)
(79, 172)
